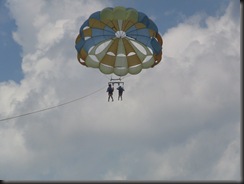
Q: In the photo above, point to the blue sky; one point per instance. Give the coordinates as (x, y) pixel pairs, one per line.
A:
(178, 121)
(10, 50)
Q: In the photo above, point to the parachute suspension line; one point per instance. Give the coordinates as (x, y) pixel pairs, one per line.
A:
(125, 77)
(106, 76)
(115, 79)
(102, 74)
(49, 108)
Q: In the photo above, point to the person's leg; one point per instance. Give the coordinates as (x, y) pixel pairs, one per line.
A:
(120, 95)
(109, 97)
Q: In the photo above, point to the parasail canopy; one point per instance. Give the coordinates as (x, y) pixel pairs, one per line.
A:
(119, 40)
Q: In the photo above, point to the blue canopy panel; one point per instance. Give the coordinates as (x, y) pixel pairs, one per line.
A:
(87, 44)
(152, 25)
(132, 28)
(108, 29)
(86, 23)
(143, 32)
(97, 32)
(94, 41)
(98, 35)
(143, 39)
(79, 45)
(142, 36)
(95, 15)
(142, 18)
(101, 32)
(157, 48)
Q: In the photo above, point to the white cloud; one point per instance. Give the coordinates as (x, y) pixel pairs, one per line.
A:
(175, 119)
(227, 167)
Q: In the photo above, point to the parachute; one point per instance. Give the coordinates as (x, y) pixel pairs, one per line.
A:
(119, 41)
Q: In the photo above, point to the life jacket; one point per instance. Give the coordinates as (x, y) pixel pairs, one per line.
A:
(110, 90)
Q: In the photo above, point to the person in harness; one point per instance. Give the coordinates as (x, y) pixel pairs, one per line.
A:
(120, 90)
(110, 91)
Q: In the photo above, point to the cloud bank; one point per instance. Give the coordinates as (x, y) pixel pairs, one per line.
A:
(178, 121)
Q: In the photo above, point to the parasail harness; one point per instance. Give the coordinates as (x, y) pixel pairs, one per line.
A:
(115, 81)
